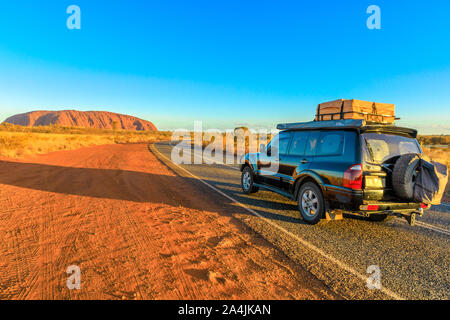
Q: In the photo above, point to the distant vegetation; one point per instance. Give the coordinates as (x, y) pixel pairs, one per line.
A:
(72, 130)
(434, 140)
(436, 148)
(19, 141)
(241, 140)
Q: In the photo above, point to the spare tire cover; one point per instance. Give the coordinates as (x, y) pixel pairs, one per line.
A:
(404, 176)
(431, 181)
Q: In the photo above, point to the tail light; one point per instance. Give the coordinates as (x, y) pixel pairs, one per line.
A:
(369, 207)
(424, 206)
(353, 177)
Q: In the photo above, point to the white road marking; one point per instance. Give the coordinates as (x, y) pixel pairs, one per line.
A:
(430, 226)
(302, 241)
(444, 204)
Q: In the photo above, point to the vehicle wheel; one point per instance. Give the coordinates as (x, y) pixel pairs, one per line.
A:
(310, 203)
(378, 217)
(247, 181)
(404, 176)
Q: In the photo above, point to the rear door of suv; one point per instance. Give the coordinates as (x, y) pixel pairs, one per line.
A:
(380, 151)
(335, 152)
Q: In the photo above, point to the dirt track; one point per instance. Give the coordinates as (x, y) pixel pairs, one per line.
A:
(135, 229)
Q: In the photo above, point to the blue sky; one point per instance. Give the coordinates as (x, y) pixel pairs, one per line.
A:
(227, 63)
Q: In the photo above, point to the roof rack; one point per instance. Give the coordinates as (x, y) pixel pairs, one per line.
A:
(359, 124)
(365, 115)
(348, 123)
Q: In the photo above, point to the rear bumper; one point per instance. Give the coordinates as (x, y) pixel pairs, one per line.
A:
(353, 200)
(368, 208)
(398, 212)
(398, 209)
(409, 214)
(390, 206)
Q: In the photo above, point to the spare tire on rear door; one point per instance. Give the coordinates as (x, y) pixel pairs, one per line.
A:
(404, 176)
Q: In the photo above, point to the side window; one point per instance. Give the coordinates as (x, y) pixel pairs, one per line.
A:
(298, 144)
(311, 144)
(280, 142)
(331, 143)
(284, 144)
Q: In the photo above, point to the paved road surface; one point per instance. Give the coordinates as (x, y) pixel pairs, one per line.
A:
(414, 261)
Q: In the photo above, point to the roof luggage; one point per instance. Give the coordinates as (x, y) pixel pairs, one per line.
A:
(356, 109)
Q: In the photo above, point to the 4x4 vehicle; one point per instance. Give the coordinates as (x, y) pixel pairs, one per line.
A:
(337, 167)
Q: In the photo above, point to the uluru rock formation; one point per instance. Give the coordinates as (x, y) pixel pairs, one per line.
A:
(87, 119)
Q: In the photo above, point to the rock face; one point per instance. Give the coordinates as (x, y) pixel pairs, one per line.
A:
(87, 119)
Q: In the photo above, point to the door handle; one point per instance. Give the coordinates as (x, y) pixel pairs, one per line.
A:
(304, 161)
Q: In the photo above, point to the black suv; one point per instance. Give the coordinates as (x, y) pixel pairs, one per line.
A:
(335, 167)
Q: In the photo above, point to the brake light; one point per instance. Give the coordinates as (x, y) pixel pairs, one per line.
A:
(424, 206)
(353, 177)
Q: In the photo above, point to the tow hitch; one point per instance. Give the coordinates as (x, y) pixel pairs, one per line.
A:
(410, 217)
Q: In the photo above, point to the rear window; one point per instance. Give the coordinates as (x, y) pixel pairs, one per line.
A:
(379, 147)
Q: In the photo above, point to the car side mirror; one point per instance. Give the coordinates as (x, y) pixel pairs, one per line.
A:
(262, 148)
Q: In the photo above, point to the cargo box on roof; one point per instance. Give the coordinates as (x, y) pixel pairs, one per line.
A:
(356, 109)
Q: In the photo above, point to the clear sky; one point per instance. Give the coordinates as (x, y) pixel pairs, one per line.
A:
(227, 63)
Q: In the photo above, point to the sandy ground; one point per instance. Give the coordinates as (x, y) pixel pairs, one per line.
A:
(135, 229)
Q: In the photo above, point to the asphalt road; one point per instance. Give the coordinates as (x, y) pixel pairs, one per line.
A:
(413, 261)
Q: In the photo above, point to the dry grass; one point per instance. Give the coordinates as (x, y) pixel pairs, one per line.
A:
(235, 144)
(18, 141)
(441, 155)
(434, 140)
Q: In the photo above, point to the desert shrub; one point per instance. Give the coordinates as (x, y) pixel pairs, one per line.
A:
(19, 141)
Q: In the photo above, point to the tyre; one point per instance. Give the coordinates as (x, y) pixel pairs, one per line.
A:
(404, 176)
(378, 217)
(310, 203)
(247, 181)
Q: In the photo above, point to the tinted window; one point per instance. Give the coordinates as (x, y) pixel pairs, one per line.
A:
(298, 144)
(281, 142)
(331, 143)
(284, 143)
(285, 135)
(311, 144)
(380, 147)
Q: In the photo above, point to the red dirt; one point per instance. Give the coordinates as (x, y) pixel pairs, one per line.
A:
(135, 229)
(88, 119)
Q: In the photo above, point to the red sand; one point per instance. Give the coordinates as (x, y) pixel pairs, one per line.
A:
(136, 230)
